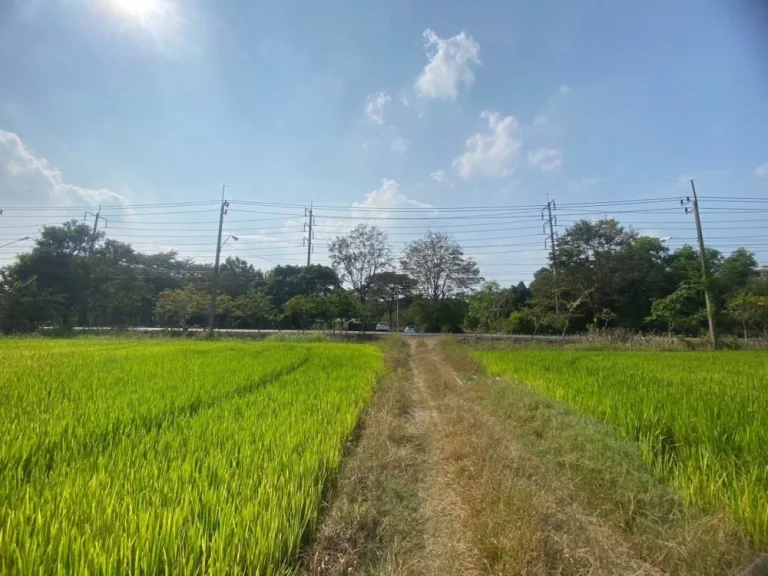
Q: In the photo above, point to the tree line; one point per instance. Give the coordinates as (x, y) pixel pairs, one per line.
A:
(601, 276)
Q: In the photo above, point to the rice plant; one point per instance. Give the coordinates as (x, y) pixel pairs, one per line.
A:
(170, 457)
(701, 418)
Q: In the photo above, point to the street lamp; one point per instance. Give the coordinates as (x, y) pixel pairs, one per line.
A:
(14, 242)
(235, 238)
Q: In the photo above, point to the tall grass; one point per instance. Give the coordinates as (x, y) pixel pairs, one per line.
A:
(179, 457)
(701, 418)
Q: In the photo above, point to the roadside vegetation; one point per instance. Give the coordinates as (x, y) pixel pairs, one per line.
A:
(610, 279)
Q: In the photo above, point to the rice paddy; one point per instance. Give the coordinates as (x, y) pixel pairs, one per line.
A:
(154, 456)
(701, 418)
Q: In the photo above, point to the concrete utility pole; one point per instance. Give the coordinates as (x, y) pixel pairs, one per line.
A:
(96, 218)
(397, 307)
(704, 276)
(552, 221)
(308, 227)
(224, 206)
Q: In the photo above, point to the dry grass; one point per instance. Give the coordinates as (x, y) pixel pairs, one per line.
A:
(589, 503)
(373, 520)
(457, 473)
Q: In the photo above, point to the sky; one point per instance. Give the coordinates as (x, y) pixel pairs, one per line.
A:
(384, 113)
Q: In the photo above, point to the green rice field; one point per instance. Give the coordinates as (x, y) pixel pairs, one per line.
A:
(156, 456)
(701, 418)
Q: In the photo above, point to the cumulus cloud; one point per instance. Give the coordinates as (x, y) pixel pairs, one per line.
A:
(381, 204)
(545, 159)
(375, 106)
(388, 196)
(490, 154)
(28, 179)
(441, 177)
(762, 170)
(448, 67)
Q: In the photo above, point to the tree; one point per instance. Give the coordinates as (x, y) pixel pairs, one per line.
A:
(735, 273)
(439, 267)
(675, 308)
(750, 310)
(285, 282)
(342, 306)
(522, 322)
(177, 307)
(520, 296)
(488, 307)
(305, 308)
(445, 316)
(256, 307)
(387, 287)
(22, 307)
(236, 276)
(360, 255)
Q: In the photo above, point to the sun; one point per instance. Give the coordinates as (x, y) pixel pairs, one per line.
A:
(139, 9)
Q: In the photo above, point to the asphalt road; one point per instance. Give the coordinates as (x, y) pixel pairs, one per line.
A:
(249, 332)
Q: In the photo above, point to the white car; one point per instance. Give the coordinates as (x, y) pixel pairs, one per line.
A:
(382, 327)
(411, 329)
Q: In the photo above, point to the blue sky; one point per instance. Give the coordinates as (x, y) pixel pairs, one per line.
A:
(428, 103)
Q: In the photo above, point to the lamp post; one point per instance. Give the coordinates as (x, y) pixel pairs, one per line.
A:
(14, 242)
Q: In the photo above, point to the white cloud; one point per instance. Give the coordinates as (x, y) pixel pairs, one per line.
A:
(29, 179)
(375, 106)
(540, 119)
(377, 208)
(545, 159)
(441, 178)
(400, 144)
(448, 66)
(387, 197)
(490, 154)
(563, 89)
(762, 170)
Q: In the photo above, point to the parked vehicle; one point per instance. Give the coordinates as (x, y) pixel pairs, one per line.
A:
(410, 329)
(382, 327)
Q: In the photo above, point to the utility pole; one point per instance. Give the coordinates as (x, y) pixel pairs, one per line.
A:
(224, 206)
(397, 307)
(308, 227)
(96, 217)
(552, 221)
(703, 258)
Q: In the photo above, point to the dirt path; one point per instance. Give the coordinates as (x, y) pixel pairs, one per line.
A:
(485, 518)
(449, 549)
(444, 483)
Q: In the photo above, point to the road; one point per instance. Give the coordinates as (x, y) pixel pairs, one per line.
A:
(250, 332)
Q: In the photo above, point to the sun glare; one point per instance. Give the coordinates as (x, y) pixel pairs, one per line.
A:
(136, 8)
(149, 21)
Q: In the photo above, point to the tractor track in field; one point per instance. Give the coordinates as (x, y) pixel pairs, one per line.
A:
(463, 490)
(446, 481)
(448, 547)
